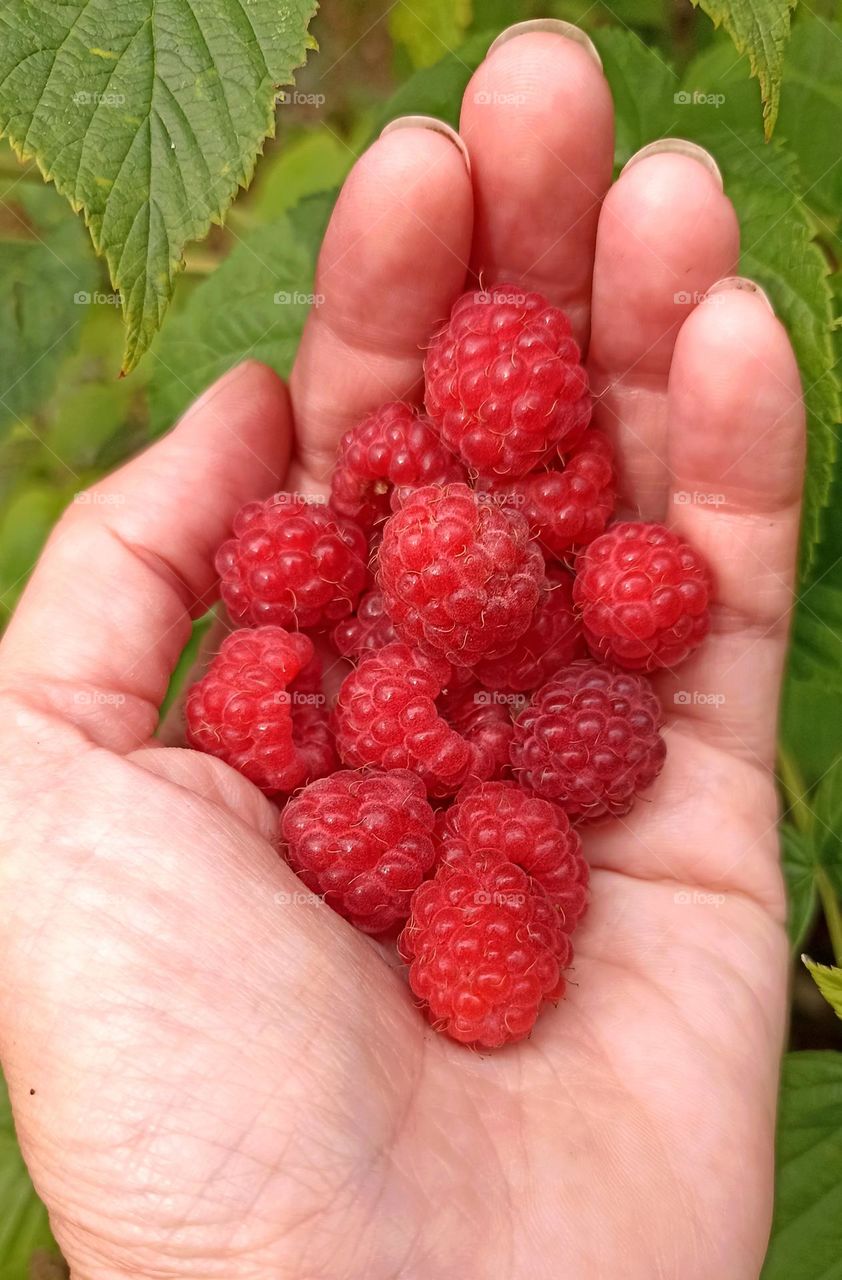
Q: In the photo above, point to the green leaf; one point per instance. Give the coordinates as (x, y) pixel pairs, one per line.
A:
(811, 109)
(47, 270)
(826, 805)
(254, 305)
(26, 521)
(779, 252)
(644, 87)
(426, 29)
(146, 115)
(807, 1228)
(23, 1224)
(187, 661)
(828, 979)
(317, 161)
(759, 28)
(799, 867)
(437, 90)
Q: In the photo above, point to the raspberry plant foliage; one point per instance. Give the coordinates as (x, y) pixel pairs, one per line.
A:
(147, 115)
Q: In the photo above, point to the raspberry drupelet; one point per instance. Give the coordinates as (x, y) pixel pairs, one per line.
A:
(504, 382)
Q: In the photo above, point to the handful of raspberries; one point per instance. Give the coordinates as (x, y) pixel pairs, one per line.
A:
(501, 630)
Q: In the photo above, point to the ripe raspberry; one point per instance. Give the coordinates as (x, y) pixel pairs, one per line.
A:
(393, 446)
(485, 948)
(258, 708)
(484, 722)
(553, 640)
(386, 715)
(568, 507)
(365, 841)
(459, 574)
(504, 383)
(291, 562)
(369, 628)
(590, 740)
(644, 595)
(499, 820)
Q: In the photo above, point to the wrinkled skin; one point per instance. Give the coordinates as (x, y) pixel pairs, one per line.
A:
(212, 1078)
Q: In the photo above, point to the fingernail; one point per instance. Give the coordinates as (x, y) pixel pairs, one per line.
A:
(739, 284)
(437, 126)
(678, 147)
(556, 27)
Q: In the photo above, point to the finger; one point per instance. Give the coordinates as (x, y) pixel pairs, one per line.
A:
(107, 612)
(394, 255)
(666, 233)
(736, 453)
(538, 120)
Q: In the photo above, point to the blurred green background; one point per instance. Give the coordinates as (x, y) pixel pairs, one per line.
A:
(66, 417)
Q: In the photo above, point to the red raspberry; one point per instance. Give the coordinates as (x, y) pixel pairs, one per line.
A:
(459, 574)
(365, 841)
(590, 740)
(393, 446)
(258, 708)
(386, 715)
(291, 562)
(499, 820)
(370, 628)
(485, 948)
(568, 507)
(644, 595)
(504, 382)
(553, 640)
(483, 721)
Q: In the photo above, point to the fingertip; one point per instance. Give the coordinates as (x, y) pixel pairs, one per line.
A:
(678, 147)
(528, 56)
(433, 125)
(666, 233)
(411, 169)
(736, 407)
(734, 327)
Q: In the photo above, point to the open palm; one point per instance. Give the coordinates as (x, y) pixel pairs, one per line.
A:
(214, 1076)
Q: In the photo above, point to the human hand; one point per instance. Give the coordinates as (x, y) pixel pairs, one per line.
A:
(213, 1078)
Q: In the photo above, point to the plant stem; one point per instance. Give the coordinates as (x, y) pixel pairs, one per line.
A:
(793, 788)
(832, 912)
